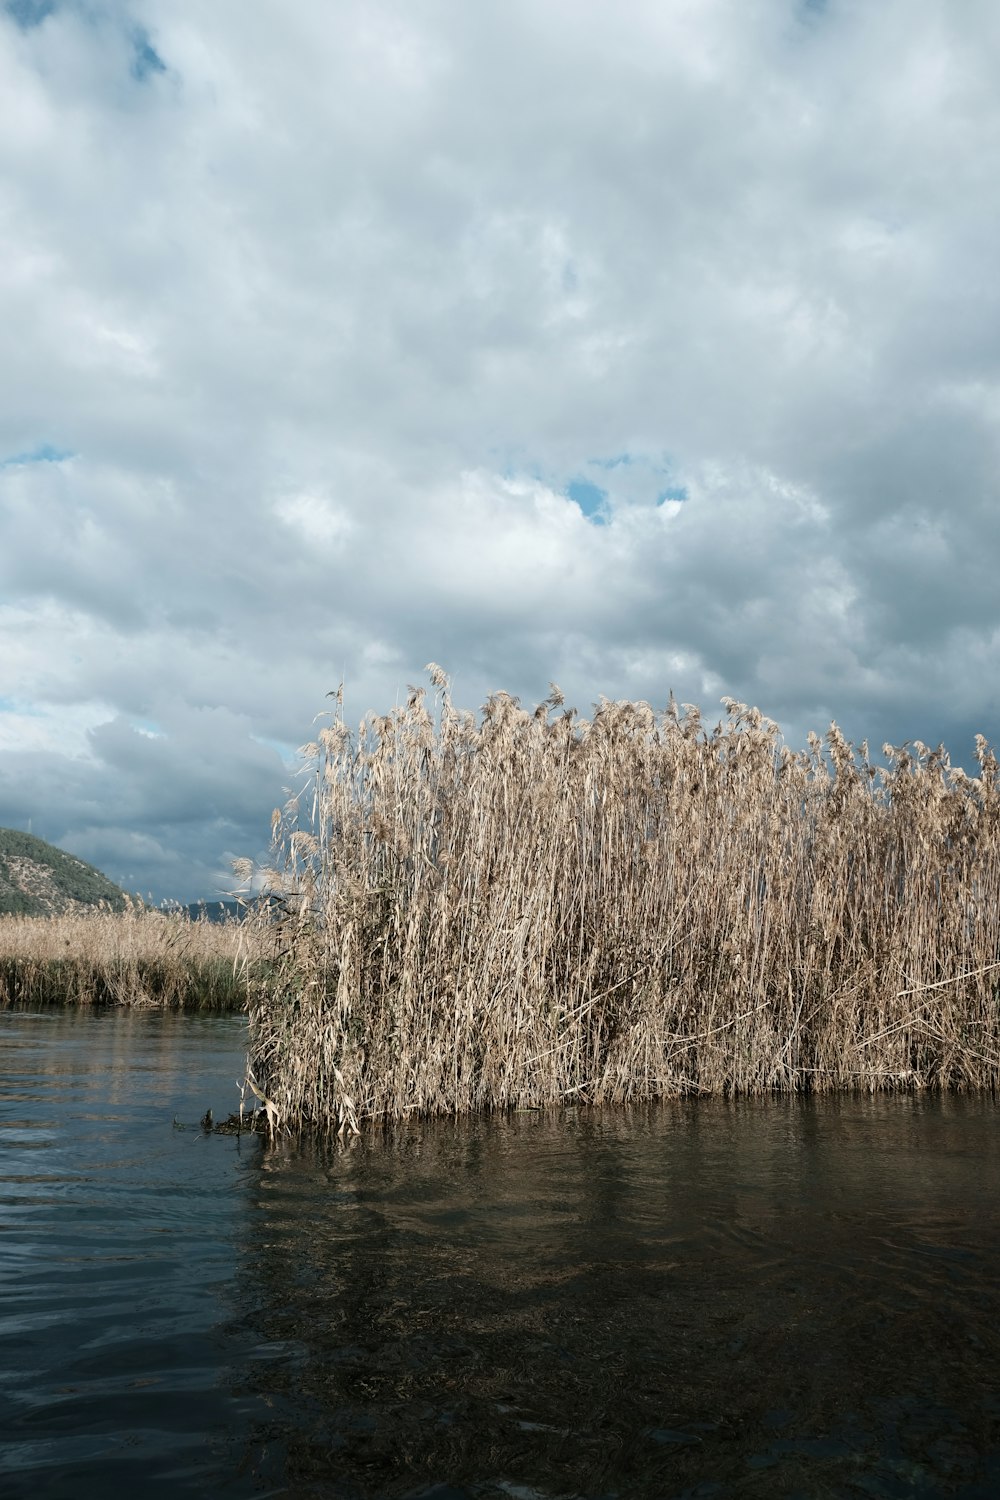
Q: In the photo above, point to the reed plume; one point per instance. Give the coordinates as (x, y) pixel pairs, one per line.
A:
(520, 908)
(137, 957)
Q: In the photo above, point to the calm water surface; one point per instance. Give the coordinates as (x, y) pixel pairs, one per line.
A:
(694, 1300)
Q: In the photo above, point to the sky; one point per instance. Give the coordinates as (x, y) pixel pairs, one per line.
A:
(645, 347)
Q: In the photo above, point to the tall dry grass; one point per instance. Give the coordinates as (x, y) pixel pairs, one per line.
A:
(138, 957)
(523, 908)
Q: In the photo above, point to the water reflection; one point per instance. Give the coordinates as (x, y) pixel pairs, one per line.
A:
(693, 1300)
(116, 1257)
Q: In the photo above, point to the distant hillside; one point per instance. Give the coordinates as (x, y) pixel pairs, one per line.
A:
(218, 911)
(39, 880)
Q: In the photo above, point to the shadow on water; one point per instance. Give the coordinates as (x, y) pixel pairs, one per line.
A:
(701, 1299)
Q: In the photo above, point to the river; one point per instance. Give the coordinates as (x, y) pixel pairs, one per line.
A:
(699, 1299)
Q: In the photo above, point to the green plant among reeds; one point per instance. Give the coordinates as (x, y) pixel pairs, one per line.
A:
(521, 909)
(137, 957)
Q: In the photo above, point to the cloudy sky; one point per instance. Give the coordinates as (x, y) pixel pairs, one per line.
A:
(641, 346)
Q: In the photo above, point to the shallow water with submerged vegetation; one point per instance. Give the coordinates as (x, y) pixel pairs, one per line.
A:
(706, 1297)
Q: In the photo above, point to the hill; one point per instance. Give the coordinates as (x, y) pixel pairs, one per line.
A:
(220, 911)
(39, 880)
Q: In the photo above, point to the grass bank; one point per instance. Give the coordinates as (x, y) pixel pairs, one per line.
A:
(521, 908)
(137, 957)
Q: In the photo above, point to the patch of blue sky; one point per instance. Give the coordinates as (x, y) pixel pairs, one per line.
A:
(45, 453)
(28, 13)
(592, 500)
(618, 461)
(647, 475)
(641, 479)
(19, 708)
(146, 61)
(287, 752)
(148, 728)
(662, 465)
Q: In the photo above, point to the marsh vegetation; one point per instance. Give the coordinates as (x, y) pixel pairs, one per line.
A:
(520, 909)
(136, 957)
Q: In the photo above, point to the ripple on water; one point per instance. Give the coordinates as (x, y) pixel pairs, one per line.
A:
(690, 1300)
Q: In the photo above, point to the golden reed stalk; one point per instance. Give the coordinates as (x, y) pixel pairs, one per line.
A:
(528, 908)
(138, 957)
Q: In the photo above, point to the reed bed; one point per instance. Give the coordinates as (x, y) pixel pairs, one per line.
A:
(138, 957)
(518, 909)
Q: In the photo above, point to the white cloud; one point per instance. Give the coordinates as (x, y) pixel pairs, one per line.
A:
(328, 314)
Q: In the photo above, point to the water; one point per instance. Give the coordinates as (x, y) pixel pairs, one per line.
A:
(693, 1300)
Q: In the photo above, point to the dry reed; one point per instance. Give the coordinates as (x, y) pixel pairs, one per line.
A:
(526, 908)
(138, 957)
